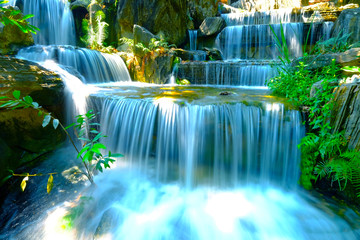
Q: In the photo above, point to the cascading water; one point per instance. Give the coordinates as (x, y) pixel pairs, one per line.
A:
(54, 19)
(258, 41)
(96, 67)
(239, 73)
(193, 39)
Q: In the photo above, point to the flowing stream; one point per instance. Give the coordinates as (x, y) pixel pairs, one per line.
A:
(201, 162)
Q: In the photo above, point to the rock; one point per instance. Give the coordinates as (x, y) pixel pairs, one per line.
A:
(142, 35)
(112, 218)
(348, 23)
(244, 4)
(211, 26)
(346, 112)
(199, 10)
(224, 8)
(151, 68)
(22, 137)
(80, 4)
(349, 58)
(12, 38)
(349, 6)
(161, 17)
(190, 55)
(213, 54)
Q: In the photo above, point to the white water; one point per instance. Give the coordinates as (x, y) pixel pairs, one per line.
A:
(54, 19)
(193, 39)
(94, 66)
(228, 73)
(258, 41)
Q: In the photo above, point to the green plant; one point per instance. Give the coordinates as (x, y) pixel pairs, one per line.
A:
(335, 44)
(85, 130)
(10, 16)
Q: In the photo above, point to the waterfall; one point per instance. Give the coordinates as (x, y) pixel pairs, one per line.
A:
(193, 39)
(267, 17)
(256, 141)
(54, 19)
(96, 67)
(249, 73)
(258, 41)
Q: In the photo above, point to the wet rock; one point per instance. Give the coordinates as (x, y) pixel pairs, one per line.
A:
(213, 54)
(244, 4)
(211, 26)
(349, 58)
(190, 55)
(161, 17)
(111, 219)
(348, 23)
(22, 138)
(12, 39)
(80, 4)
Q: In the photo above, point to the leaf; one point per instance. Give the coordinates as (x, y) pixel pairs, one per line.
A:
(28, 99)
(5, 179)
(70, 126)
(97, 137)
(23, 183)
(82, 151)
(50, 184)
(35, 105)
(16, 94)
(55, 123)
(46, 121)
(99, 145)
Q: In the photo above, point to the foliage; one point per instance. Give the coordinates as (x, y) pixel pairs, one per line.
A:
(281, 45)
(154, 46)
(84, 128)
(10, 16)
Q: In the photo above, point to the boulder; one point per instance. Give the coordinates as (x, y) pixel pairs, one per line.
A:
(348, 23)
(211, 26)
(12, 38)
(201, 9)
(22, 137)
(161, 17)
(244, 4)
(190, 55)
(142, 35)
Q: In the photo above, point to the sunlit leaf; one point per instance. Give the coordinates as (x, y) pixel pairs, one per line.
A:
(50, 183)
(23, 183)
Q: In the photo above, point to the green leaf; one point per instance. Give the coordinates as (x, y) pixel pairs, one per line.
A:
(99, 145)
(46, 121)
(50, 184)
(97, 137)
(70, 126)
(82, 151)
(55, 123)
(88, 156)
(23, 183)
(5, 179)
(28, 99)
(16, 94)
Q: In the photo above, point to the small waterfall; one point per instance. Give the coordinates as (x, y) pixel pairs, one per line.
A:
(236, 143)
(54, 19)
(326, 30)
(249, 73)
(268, 17)
(258, 42)
(96, 67)
(193, 39)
